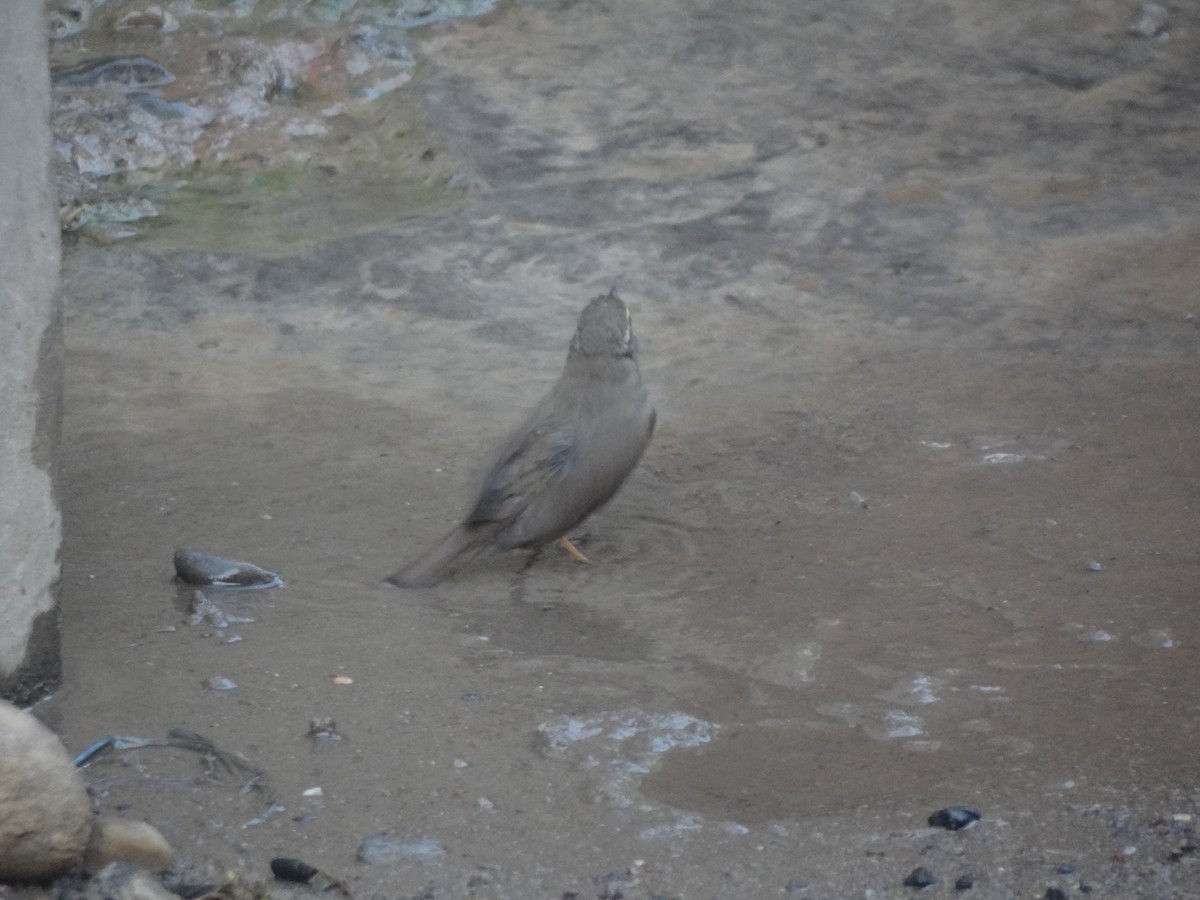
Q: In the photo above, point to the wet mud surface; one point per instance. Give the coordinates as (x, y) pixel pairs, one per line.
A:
(915, 292)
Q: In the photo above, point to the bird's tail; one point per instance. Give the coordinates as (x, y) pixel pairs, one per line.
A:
(431, 566)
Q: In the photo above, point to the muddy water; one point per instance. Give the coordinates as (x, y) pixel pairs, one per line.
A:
(915, 299)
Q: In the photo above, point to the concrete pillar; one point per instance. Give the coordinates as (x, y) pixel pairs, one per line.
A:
(30, 361)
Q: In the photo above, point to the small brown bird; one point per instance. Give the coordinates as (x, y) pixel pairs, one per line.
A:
(568, 458)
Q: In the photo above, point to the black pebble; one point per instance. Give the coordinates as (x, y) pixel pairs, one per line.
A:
(920, 877)
(1065, 869)
(287, 869)
(964, 883)
(954, 818)
(1055, 894)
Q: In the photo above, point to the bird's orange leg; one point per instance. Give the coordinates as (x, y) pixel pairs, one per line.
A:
(571, 550)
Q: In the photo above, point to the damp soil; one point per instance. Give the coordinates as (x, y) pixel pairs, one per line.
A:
(915, 292)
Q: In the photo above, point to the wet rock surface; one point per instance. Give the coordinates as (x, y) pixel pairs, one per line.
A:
(915, 295)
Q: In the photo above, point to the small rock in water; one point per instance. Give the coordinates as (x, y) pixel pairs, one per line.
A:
(954, 818)
(919, 878)
(220, 683)
(127, 840)
(194, 567)
(796, 886)
(285, 868)
(387, 847)
(964, 882)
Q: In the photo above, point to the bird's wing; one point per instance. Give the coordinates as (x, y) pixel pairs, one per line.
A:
(526, 470)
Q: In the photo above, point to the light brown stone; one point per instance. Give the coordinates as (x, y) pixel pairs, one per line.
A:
(45, 814)
(126, 840)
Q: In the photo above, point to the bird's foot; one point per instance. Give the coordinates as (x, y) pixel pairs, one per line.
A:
(571, 550)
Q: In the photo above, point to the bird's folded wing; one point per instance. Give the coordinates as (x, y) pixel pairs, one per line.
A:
(528, 468)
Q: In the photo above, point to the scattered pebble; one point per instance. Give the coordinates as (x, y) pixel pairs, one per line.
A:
(220, 683)
(964, 882)
(920, 878)
(1093, 566)
(285, 868)
(1055, 894)
(858, 499)
(954, 818)
(796, 886)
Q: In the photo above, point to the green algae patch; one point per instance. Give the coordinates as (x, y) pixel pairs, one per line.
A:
(273, 212)
(360, 175)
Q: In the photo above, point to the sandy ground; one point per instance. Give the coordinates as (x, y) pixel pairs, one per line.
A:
(915, 286)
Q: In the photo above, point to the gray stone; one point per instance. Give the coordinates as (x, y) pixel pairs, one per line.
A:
(30, 363)
(121, 881)
(45, 814)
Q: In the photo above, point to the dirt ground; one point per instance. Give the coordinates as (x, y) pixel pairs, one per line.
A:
(916, 290)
